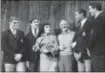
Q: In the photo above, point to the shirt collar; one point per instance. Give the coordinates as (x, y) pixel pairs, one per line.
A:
(68, 31)
(35, 31)
(83, 21)
(14, 32)
(98, 13)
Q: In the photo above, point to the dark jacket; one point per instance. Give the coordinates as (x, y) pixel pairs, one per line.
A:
(97, 42)
(82, 40)
(30, 40)
(12, 45)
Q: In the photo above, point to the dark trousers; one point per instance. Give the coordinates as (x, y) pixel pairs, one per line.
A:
(98, 63)
(2, 67)
(33, 67)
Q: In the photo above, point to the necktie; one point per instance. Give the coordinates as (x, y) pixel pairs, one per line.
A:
(15, 35)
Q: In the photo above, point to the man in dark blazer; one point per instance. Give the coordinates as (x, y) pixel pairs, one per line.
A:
(13, 47)
(80, 42)
(30, 40)
(97, 42)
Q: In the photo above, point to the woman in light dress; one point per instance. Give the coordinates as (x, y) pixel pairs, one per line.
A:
(47, 44)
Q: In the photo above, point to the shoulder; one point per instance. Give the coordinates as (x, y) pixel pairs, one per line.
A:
(6, 32)
(59, 36)
(88, 23)
(41, 37)
(71, 33)
(27, 36)
(20, 32)
(101, 17)
(102, 14)
(53, 36)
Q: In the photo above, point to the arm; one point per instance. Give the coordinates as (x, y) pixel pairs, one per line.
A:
(26, 47)
(5, 44)
(38, 44)
(88, 34)
(21, 47)
(51, 49)
(74, 42)
(61, 47)
(54, 44)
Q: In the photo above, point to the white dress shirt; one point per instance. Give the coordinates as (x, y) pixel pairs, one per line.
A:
(13, 32)
(83, 22)
(35, 31)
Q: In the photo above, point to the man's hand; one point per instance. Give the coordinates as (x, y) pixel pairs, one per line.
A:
(27, 64)
(88, 52)
(18, 57)
(73, 44)
(35, 48)
(43, 49)
(83, 34)
(77, 56)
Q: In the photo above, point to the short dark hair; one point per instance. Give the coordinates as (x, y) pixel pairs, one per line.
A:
(83, 11)
(13, 18)
(33, 20)
(96, 5)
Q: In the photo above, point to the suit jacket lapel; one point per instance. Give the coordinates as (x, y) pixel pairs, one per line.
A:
(11, 34)
(83, 27)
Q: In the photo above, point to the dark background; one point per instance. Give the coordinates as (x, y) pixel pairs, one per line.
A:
(52, 11)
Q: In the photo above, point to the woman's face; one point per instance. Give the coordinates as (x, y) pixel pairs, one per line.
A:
(47, 28)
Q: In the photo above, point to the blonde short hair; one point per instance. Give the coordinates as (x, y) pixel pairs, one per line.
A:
(13, 18)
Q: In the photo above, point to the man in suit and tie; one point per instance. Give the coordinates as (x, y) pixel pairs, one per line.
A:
(97, 42)
(80, 43)
(30, 40)
(13, 47)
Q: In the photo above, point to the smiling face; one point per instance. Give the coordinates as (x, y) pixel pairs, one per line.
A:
(64, 25)
(35, 23)
(47, 28)
(14, 24)
(92, 11)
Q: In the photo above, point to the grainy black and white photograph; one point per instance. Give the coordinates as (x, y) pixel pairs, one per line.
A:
(52, 36)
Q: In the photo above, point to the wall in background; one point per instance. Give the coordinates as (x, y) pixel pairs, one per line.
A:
(52, 11)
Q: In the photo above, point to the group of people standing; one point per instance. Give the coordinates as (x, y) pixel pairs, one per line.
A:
(40, 50)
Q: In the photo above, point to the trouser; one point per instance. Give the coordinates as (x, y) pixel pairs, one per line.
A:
(33, 67)
(47, 64)
(19, 67)
(84, 66)
(65, 63)
(98, 63)
(2, 66)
